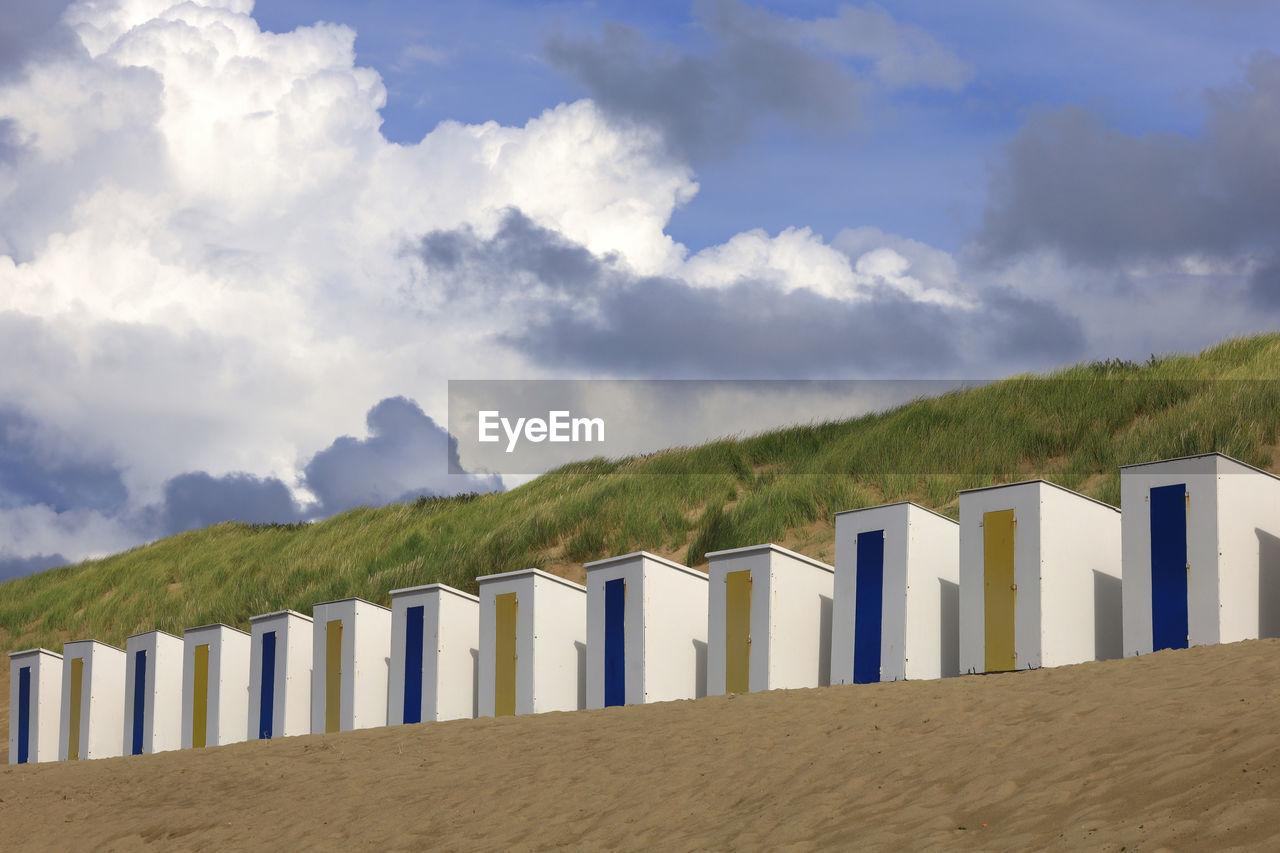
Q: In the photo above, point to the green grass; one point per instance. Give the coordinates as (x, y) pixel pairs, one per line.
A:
(1075, 427)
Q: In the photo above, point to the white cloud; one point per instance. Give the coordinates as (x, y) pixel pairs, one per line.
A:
(795, 258)
(75, 534)
(851, 268)
(203, 239)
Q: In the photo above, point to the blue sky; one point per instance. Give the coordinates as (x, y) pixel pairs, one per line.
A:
(920, 169)
(242, 252)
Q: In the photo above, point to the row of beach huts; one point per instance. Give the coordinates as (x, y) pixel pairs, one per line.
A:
(1033, 575)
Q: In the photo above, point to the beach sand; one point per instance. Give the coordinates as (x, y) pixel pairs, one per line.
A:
(1177, 750)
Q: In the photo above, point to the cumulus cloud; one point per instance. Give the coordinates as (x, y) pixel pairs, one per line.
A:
(813, 73)
(405, 455)
(54, 496)
(212, 262)
(197, 500)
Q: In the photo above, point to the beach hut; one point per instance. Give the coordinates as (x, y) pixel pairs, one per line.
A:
(215, 686)
(769, 620)
(1201, 547)
(350, 652)
(35, 705)
(896, 612)
(435, 654)
(646, 631)
(1039, 578)
(92, 701)
(152, 693)
(279, 675)
(533, 643)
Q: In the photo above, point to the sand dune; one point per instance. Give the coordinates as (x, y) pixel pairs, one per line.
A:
(1176, 749)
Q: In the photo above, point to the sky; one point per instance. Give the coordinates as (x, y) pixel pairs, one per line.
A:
(244, 247)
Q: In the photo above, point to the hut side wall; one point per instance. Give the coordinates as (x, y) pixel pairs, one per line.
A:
(1249, 544)
(931, 645)
(799, 639)
(1080, 580)
(674, 633)
(560, 637)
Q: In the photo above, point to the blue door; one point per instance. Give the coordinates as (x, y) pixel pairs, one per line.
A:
(615, 671)
(139, 698)
(1169, 567)
(413, 665)
(868, 607)
(267, 694)
(24, 715)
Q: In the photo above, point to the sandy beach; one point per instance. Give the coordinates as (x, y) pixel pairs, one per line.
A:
(1177, 750)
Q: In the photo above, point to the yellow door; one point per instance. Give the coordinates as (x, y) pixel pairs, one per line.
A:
(200, 699)
(1001, 592)
(737, 632)
(333, 675)
(77, 697)
(504, 686)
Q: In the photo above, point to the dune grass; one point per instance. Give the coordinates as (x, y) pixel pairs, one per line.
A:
(1074, 427)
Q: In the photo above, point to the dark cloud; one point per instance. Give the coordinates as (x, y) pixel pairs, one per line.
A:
(31, 28)
(1264, 284)
(813, 74)
(39, 466)
(706, 105)
(1069, 183)
(198, 499)
(1097, 196)
(531, 256)
(658, 327)
(406, 455)
(17, 567)
(587, 312)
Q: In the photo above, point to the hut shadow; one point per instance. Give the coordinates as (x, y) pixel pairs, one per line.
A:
(1108, 616)
(581, 649)
(824, 641)
(700, 668)
(475, 683)
(1268, 584)
(949, 622)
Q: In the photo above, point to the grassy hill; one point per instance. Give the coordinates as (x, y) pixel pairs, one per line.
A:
(1075, 427)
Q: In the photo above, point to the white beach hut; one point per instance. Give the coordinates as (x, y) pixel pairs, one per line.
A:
(279, 675)
(152, 693)
(1039, 578)
(533, 643)
(35, 705)
(769, 620)
(215, 686)
(92, 701)
(435, 654)
(646, 631)
(1201, 553)
(350, 657)
(896, 612)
